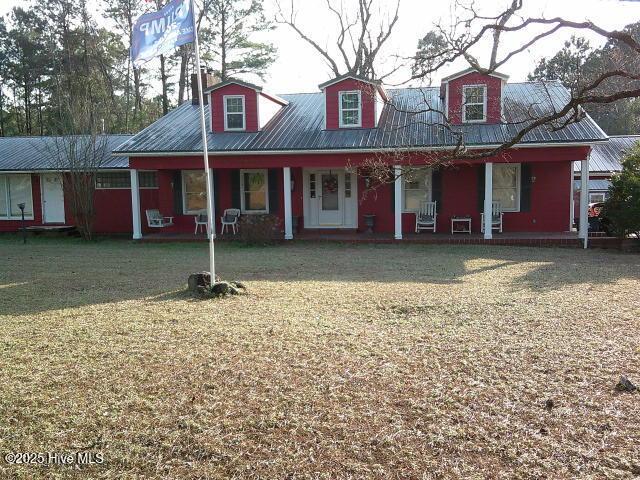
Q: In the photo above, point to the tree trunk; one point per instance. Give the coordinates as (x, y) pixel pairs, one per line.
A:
(163, 79)
(185, 53)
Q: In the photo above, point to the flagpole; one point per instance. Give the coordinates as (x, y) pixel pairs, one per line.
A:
(210, 210)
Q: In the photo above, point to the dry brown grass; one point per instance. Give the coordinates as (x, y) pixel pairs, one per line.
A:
(342, 362)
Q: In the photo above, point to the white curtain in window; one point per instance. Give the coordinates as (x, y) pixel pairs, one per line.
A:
(255, 190)
(505, 185)
(20, 192)
(195, 190)
(417, 189)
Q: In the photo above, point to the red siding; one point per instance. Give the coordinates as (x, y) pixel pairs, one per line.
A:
(250, 105)
(494, 94)
(368, 102)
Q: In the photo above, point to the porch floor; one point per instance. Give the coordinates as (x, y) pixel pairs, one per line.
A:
(524, 239)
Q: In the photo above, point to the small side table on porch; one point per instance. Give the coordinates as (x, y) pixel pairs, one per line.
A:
(461, 224)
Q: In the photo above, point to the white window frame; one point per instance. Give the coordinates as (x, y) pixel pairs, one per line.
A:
(359, 109)
(518, 185)
(464, 103)
(265, 172)
(604, 197)
(244, 113)
(184, 194)
(5, 178)
(404, 188)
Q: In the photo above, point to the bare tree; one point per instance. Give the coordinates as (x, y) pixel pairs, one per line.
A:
(78, 154)
(360, 39)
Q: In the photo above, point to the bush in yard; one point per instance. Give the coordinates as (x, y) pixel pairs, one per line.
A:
(622, 208)
(258, 229)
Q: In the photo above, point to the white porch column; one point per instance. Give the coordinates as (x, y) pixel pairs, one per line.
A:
(288, 221)
(488, 200)
(397, 210)
(135, 205)
(584, 201)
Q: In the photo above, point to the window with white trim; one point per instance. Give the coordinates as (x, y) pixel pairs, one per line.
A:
(474, 103)
(107, 180)
(596, 197)
(506, 186)
(350, 105)
(254, 191)
(416, 188)
(234, 112)
(194, 191)
(14, 190)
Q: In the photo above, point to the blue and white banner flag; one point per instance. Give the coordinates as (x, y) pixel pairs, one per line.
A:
(157, 33)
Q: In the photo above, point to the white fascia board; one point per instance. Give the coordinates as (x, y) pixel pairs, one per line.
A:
(353, 150)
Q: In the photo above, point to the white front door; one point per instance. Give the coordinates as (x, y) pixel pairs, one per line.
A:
(52, 198)
(331, 202)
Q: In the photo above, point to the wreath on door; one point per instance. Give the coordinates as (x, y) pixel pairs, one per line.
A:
(330, 184)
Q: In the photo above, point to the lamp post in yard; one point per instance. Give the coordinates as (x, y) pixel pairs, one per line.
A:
(24, 230)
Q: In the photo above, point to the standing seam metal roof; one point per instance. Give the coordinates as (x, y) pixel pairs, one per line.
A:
(606, 157)
(40, 153)
(404, 123)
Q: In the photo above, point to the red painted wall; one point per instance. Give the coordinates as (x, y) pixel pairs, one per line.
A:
(368, 102)
(250, 105)
(494, 93)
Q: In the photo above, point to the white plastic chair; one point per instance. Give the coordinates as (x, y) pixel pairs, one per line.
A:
(426, 217)
(230, 218)
(496, 218)
(201, 221)
(156, 220)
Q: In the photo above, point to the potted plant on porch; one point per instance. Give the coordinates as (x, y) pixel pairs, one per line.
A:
(369, 221)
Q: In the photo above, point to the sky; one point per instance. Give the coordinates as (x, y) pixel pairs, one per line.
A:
(300, 69)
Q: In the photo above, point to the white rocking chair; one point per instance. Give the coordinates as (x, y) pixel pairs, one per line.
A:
(496, 218)
(156, 220)
(230, 218)
(201, 221)
(426, 217)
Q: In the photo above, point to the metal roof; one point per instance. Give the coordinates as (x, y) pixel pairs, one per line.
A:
(469, 70)
(405, 122)
(606, 157)
(594, 185)
(39, 153)
(233, 81)
(348, 76)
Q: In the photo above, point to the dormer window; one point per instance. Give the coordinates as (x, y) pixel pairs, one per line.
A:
(234, 113)
(474, 103)
(350, 109)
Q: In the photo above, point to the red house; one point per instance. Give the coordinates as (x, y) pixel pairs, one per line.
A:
(302, 157)
(298, 156)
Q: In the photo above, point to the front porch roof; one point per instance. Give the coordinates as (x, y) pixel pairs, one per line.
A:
(405, 123)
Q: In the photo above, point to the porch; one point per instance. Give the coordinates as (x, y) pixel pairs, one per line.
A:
(336, 202)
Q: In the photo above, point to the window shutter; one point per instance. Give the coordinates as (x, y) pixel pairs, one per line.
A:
(436, 189)
(235, 189)
(392, 186)
(177, 193)
(216, 196)
(274, 198)
(525, 187)
(481, 173)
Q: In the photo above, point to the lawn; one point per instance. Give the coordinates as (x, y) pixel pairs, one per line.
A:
(342, 361)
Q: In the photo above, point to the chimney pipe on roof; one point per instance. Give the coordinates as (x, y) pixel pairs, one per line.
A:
(208, 80)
